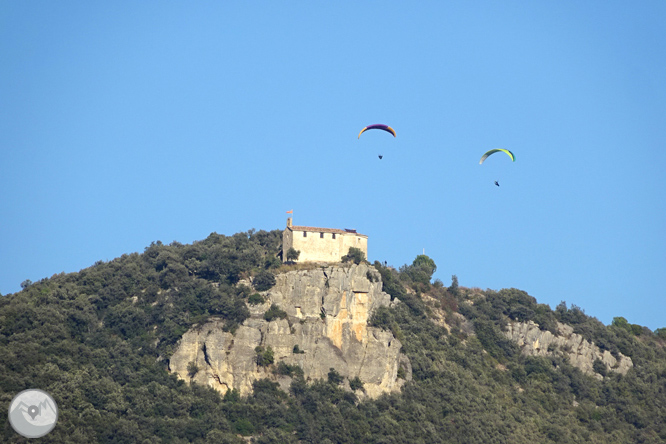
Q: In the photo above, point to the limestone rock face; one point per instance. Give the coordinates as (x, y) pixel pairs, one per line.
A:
(328, 310)
(580, 352)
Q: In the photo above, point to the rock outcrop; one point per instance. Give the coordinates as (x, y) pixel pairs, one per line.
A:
(581, 353)
(328, 310)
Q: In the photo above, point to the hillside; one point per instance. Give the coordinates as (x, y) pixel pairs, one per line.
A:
(101, 341)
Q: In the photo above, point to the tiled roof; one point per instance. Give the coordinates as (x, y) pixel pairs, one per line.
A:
(323, 230)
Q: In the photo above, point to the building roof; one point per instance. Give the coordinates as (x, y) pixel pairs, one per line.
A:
(325, 230)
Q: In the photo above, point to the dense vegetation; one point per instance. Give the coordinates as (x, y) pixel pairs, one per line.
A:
(99, 342)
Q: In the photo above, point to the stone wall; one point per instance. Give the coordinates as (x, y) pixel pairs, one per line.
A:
(322, 246)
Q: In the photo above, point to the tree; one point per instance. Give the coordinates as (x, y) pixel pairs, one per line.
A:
(599, 367)
(192, 369)
(255, 299)
(275, 312)
(264, 357)
(453, 289)
(334, 377)
(356, 384)
(355, 255)
(292, 254)
(288, 370)
(620, 322)
(424, 261)
(264, 280)
(421, 269)
(636, 329)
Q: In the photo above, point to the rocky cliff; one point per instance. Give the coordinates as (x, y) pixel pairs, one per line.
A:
(328, 310)
(580, 352)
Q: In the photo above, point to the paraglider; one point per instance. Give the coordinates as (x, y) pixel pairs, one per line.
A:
(497, 150)
(380, 126)
(488, 153)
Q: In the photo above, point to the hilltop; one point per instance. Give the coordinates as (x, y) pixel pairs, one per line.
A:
(484, 365)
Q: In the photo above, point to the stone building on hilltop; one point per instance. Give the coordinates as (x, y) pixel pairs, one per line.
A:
(321, 244)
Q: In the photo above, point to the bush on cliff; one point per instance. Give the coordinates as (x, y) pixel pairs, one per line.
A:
(275, 313)
(265, 357)
(354, 255)
(264, 280)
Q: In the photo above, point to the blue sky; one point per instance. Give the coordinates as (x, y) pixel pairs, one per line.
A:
(123, 123)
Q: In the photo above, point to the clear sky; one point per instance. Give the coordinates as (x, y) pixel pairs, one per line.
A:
(123, 123)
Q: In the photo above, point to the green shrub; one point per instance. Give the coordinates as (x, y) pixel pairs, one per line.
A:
(660, 333)
(289, 370)
(230, 326)
(264, 280)
(275, 313)
(355, 255)
(356, 384)
(599, 367)
(264, 357)
(420, 272)
(255, 299)
(292, 254)
(192, 369)
(244, 427)
(622, 323)
(334, 377)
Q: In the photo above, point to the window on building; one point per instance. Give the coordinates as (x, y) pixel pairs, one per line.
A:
(305, 234)
(333, 235)
(321, 235)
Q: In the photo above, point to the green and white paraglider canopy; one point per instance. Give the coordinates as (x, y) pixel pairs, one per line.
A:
(488, 153)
